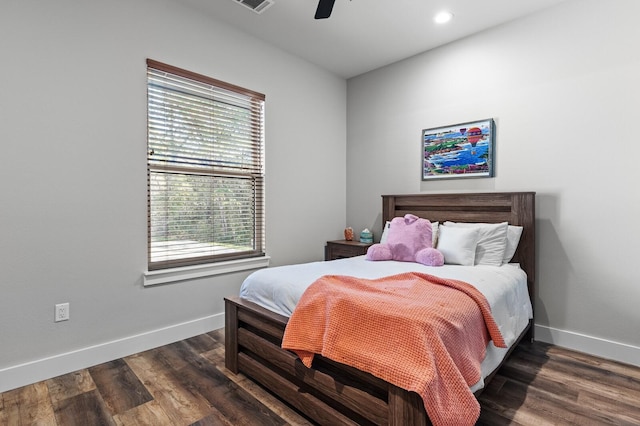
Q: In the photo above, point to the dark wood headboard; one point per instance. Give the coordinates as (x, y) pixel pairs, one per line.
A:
(517, 208)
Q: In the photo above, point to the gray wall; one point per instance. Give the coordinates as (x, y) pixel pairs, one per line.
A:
(73, 174)
(563, 87)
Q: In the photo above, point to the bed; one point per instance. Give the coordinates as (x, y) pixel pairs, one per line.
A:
(336, 394)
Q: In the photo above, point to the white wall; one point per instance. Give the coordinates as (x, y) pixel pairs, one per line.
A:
(73, 174)
(563, 86)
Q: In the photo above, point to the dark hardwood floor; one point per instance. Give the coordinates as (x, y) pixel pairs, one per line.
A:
(185, 383)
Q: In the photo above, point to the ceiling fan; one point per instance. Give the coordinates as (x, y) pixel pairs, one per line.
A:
(324, 9)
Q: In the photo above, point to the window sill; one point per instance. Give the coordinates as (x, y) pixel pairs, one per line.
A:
(167, 276)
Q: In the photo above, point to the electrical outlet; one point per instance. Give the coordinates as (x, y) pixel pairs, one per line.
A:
(62, 312)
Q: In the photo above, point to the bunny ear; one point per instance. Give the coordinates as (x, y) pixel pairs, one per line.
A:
(410, 218)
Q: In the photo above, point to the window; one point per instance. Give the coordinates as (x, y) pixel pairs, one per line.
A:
(205, 167)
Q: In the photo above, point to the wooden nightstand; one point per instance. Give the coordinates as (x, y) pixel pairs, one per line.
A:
(342, 248)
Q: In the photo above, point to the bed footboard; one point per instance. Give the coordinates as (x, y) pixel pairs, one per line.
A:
(329, 393)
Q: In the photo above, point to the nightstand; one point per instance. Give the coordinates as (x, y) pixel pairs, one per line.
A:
(342, 248)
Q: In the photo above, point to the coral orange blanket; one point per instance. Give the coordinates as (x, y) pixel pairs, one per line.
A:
(419, 332)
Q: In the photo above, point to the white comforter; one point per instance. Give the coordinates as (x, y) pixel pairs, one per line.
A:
(505, 287)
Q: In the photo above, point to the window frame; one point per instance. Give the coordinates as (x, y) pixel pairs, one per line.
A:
(256, 176)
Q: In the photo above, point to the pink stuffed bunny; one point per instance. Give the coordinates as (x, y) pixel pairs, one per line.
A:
(408, 240)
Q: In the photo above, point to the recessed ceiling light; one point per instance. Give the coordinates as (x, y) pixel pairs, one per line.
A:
(443, 17)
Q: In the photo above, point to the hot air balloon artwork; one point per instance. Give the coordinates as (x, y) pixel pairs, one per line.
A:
(458, 151)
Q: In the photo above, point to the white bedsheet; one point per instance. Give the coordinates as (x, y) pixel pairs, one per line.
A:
(505, 287)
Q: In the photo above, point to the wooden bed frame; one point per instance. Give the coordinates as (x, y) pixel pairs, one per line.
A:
(335, 394)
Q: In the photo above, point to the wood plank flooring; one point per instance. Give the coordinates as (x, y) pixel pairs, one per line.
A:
(185, 383)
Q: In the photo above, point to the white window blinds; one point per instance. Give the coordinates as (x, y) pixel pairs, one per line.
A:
(205, 169)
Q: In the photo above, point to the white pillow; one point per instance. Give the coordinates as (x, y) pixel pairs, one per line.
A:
(383, 238)
(458, 245)
(434, 233)
(513, 239)
(492, 241)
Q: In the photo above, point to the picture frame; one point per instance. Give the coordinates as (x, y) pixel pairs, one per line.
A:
(464, 150)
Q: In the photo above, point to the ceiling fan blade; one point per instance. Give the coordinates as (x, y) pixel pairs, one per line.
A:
(324, 9)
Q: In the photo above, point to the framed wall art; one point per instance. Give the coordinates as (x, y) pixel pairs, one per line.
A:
(462, 150)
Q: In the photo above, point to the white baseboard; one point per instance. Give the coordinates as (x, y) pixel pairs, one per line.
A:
(46, 368)
(588, 344)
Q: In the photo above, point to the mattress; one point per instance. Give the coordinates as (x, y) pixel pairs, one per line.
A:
(505, 287)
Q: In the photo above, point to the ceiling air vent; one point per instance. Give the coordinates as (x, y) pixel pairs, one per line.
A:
(258, 6)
